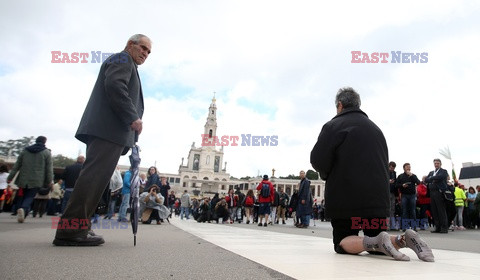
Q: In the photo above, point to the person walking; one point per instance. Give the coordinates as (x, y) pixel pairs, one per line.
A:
(35, 168)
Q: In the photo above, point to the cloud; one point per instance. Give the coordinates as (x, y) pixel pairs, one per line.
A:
(275, 67)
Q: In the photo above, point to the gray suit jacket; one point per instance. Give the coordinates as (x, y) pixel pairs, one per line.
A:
(116, 102)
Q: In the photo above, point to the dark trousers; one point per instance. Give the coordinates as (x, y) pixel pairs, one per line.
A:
(408, 211)
(39, 206)
(153, 216)
(66, 197)
(424, 224)
(26, 200)
(437, 204)
(52, 206)
(101, 159)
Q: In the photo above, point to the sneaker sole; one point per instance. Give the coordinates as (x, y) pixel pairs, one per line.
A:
(59, 242)
(20, 215)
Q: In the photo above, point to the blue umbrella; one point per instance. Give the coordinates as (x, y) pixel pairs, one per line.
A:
(134, 191)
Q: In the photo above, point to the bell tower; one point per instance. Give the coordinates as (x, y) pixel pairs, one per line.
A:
(211, 124)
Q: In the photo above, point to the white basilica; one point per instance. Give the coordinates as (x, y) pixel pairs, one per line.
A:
(205, 173)
(204, 170)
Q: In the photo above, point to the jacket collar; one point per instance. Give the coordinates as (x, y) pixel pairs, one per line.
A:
(350, 110)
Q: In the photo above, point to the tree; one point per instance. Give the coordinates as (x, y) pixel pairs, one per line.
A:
(311, 175)
(62, 161)
(15, 147)
(291, 176)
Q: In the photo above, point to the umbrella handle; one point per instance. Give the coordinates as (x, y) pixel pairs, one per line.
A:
(136, 136)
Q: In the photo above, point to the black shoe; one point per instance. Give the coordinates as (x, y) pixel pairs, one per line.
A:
(79, 241)
(435, 231)
(265, 224)
(260, 224)
(283, 223)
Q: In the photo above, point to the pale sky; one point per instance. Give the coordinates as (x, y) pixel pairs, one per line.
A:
(275, 67)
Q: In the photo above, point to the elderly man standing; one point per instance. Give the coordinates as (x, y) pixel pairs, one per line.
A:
(351, 155)
(304, 207)
(109, 126)
(437, 184)
(35, 168)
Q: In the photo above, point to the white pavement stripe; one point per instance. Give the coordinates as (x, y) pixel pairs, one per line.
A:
(306, 257)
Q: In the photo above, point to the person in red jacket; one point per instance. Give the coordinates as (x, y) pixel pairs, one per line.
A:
(423, 201)
(232, 201)
(266, 194)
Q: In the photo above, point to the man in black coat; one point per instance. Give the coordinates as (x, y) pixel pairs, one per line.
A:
(351, 155)
(304, 206)
(393, 195)
(437, 184)
(109, 125)
(70, 176)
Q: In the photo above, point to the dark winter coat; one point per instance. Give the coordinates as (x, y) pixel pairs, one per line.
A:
(304, 193)
(71, 173)
(35, 167)
(351, 155)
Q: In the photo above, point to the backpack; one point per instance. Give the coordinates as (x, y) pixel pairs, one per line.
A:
(249, 201)
(265, 191)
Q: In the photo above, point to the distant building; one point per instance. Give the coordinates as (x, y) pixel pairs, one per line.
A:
(470, 174)
(204, 171)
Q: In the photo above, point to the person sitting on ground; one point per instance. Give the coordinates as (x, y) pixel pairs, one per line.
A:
(151, 206)
(205, 211)
(221, 211)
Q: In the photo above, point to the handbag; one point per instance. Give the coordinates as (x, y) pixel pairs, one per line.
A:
(448, 195)
(44, 190)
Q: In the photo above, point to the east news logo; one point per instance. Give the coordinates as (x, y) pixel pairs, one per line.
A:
(382, 57)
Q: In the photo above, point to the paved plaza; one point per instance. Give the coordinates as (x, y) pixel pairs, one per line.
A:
(185, 249)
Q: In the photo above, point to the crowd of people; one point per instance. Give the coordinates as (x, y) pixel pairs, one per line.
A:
(264, 205)
(414, 206)
(410, 201)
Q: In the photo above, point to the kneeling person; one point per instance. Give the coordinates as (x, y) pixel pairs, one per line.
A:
(351, 155)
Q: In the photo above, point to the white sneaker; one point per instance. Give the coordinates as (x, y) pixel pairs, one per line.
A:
(20, 215)
(461, 228)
